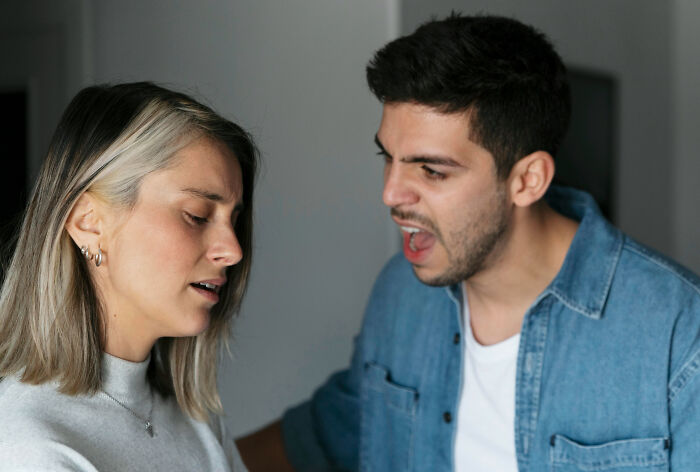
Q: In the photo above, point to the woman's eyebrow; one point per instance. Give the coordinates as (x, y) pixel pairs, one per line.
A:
(214, 197)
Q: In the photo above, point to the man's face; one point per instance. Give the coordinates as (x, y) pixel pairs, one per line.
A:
(443, 192)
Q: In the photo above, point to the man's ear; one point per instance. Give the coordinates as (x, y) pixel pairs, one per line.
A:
(84, 223)
(530, 178)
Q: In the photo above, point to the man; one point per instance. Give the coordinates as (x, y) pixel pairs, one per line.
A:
(519, 330)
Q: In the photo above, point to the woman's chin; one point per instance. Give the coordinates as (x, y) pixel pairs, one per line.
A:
(193, 325)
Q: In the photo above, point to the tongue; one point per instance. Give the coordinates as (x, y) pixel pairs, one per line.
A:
(423, 240)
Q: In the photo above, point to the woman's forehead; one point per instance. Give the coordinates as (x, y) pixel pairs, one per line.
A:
(206, 165)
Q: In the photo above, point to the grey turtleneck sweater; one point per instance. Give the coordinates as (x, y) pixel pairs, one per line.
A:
(42, 429)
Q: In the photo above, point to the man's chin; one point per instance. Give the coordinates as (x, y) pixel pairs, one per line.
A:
(434, 278)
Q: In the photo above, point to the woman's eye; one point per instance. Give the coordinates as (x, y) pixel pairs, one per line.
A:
(198, 220)
(433, 174)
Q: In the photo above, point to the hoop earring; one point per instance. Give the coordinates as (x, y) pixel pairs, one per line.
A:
(98, 257)
(85, 251)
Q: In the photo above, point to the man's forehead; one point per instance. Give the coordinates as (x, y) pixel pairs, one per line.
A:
(418, 122)
(419, 133)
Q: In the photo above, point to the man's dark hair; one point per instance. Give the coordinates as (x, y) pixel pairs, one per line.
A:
(505, 74)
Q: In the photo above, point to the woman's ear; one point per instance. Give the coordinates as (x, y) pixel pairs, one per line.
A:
(84, 223)
(530, 178)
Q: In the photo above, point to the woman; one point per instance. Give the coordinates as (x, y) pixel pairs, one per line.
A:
(131, 261)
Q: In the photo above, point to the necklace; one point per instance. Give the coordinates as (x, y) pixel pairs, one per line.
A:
(146, 421)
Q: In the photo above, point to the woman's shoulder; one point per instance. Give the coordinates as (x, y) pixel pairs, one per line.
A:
(24, 406)
(35, 411)
(42, 454)
(23, 402)
(31, 430)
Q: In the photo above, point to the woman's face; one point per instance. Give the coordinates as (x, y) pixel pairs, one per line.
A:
(166, 259)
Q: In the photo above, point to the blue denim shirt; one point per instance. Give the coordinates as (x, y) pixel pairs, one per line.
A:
(607, 380)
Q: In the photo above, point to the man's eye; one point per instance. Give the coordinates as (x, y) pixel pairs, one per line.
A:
(433, 174)
(198, 220)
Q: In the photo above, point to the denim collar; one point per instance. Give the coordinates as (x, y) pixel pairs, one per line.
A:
(584, 280)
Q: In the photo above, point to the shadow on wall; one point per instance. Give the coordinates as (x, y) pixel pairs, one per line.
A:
(587, 158)
(13, 178)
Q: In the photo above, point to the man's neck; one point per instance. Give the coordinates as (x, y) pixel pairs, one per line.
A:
(525, 265)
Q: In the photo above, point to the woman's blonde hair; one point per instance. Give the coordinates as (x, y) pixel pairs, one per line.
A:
(51, 325)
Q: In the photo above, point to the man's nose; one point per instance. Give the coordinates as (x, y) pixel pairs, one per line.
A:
(397, 187)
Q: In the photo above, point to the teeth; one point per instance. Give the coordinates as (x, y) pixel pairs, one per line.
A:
(207, 286)
(410, 229)
(410, 242)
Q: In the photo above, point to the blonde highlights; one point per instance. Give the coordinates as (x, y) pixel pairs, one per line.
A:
(51, 325)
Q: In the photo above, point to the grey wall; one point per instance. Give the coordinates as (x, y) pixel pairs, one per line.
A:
(685, 122)
(292, 73)
(631, 40)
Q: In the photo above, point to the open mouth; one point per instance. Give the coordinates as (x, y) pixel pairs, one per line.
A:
(416, 239)
(208, 290)
(206, 286)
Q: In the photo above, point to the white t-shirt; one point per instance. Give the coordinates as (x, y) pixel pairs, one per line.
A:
(485, 437)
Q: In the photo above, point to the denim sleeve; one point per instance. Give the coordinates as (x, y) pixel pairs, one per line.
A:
(684, 389)
(684, 406)
(322, 434)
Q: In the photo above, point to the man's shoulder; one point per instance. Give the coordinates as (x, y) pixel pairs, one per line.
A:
(670, 293)
(651, 288)
(662, 275)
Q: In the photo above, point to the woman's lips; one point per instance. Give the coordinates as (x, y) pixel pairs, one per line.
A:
(208, 294)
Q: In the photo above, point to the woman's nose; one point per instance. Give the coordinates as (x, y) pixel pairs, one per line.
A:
(226, 249)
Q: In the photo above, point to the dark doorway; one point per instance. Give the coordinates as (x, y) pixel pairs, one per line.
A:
(13, 173)
(586, 159)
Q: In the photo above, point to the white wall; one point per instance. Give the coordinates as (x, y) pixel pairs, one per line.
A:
(631, 40)
(686, 121)
(292, 73)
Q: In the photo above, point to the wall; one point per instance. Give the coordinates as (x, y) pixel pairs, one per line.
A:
(294, 76)
(632, 40)
(686, 119)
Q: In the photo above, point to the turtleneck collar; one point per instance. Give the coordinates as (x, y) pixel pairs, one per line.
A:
(125, 380)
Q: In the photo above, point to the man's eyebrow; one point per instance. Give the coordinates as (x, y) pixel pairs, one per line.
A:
(435, 160)
(380, 145)
(214, 197)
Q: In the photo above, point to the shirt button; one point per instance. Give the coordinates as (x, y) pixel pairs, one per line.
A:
(456, 338)
(447, 416)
